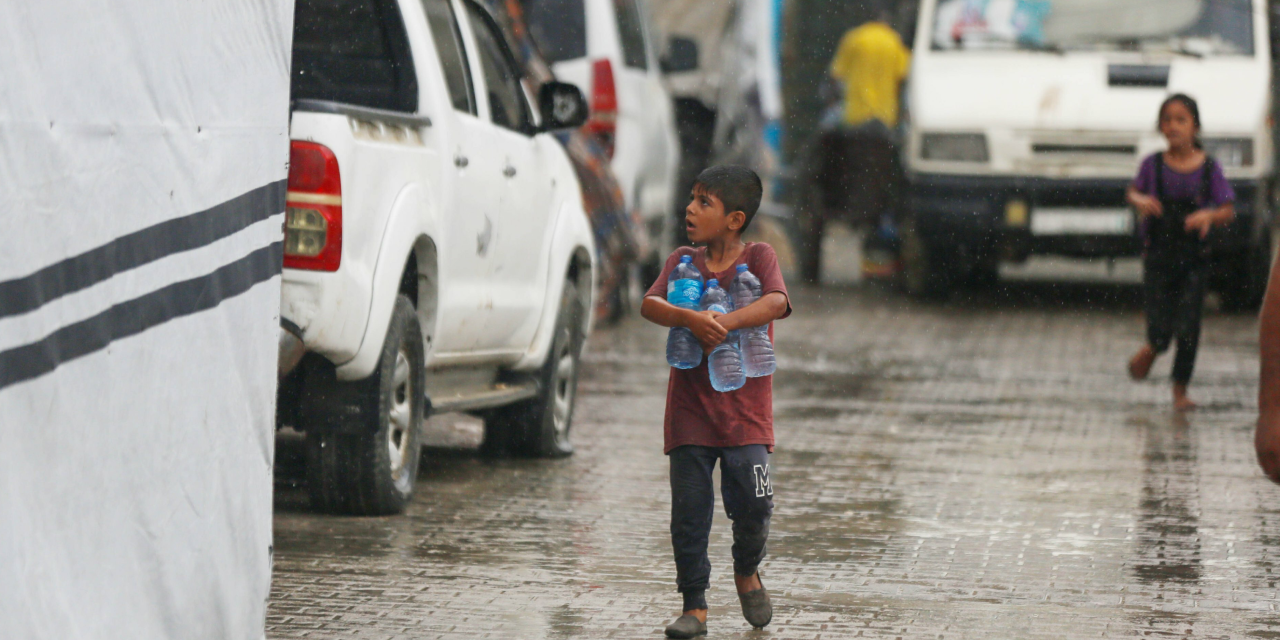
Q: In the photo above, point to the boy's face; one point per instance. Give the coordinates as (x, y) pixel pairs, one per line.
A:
(705, 218)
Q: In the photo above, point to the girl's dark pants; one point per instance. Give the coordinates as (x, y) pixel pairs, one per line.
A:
(748, 501)
(1174, 286)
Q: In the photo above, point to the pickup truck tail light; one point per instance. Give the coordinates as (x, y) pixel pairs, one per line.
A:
(313, 209)
(603, 123)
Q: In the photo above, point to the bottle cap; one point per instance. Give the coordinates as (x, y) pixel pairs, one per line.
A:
(686, 259)
(713, 283)
(741, 268)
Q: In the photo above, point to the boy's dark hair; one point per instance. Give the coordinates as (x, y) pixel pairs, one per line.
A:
(1191, 106)
(737, 187)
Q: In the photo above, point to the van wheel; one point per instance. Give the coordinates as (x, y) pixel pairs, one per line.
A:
(926, 269)
(368, 467)
(1243, 279)
(540, 427)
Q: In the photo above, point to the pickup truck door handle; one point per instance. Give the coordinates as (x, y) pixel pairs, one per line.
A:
(509, 172)
(460, 161)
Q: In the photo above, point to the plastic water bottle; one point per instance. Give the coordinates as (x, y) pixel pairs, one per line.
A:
(757, 352)
(725, 362)
(684, 290)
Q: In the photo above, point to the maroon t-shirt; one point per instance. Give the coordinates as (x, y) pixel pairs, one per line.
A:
(698, 414)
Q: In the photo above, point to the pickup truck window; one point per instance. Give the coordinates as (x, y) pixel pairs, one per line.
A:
(559, 27)
(444, 30)
(354, 52)
(507, 105)
(631, 33)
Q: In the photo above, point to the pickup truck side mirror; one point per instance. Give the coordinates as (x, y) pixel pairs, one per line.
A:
(682, 55)
(562, 105)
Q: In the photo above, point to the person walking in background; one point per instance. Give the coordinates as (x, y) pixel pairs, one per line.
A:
(861, 174)
(1180, 195)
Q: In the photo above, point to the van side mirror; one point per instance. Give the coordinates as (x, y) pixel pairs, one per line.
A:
(562, 105)
(682, 55)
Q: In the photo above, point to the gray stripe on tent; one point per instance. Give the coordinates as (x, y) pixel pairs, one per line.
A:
(139, 314)
(193, 231)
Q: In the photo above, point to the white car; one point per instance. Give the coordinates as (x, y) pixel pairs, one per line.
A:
(437, 255)
(605, 48)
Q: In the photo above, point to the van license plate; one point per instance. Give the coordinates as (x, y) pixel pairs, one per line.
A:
(1060, 222)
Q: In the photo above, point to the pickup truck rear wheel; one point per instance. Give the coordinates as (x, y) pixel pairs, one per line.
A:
(540, 427)
(369, 466)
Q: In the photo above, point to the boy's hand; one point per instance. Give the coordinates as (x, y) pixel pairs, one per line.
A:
(707, 330)
(1147, 205)
(1200, 221)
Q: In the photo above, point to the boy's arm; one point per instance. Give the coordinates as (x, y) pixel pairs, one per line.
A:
(768, 308)
(703, 324)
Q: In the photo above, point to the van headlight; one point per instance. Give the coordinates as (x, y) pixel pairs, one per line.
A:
(954, 147)
(1230, 152)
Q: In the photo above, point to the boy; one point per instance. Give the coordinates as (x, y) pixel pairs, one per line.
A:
(703, 425)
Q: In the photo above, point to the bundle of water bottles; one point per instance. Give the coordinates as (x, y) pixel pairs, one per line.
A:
(743, 354)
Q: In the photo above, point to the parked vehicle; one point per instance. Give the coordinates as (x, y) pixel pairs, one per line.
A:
(1027, 121)
(437, 254)
(718, 61)
(604, 47)
(621, 237)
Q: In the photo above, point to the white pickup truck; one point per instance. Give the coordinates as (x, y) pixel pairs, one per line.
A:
(437, 256)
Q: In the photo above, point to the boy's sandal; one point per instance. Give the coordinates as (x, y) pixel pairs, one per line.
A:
(687, 626)
(756, 606)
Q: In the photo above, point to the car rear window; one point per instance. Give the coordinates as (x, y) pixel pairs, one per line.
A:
(354, 52)
(559, 27)
(631, 33)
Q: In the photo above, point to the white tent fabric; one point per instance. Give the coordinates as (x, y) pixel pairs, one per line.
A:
(143, 152)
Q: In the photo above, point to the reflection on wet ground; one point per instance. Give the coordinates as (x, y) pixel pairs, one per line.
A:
(978, 469)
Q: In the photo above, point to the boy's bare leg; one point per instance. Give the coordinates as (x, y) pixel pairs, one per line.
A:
(749, 583)
(1140, 363)
(700, 614)
(1180, 400)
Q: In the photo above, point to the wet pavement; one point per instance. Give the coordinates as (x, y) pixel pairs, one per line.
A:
(979, 469)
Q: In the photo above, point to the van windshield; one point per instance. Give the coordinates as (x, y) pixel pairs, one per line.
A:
(1188, 27)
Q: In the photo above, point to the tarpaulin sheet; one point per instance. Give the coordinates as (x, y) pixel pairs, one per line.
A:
(143, 153)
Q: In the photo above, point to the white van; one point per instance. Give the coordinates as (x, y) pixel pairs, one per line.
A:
(1028, 118)
(605, 48)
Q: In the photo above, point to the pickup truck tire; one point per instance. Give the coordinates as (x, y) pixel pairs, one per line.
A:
(369, 466)
(539, 427)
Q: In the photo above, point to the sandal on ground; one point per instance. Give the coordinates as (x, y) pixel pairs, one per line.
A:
(756, 606)
(687, 626)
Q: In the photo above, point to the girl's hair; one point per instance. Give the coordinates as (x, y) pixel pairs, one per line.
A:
(1191, 106)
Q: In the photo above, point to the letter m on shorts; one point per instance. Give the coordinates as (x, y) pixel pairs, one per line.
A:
(763, 488)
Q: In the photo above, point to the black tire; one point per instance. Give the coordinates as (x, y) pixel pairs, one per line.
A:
(353, 470)
(540, 427)
(1242, 280)
(927, 268)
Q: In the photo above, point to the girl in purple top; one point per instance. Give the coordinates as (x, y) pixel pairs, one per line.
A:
(1180, 195)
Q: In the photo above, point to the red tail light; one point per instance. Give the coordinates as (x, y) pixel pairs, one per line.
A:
(313, 209)
(603, 123)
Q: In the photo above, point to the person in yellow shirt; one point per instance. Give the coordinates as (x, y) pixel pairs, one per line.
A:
(871, 63)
